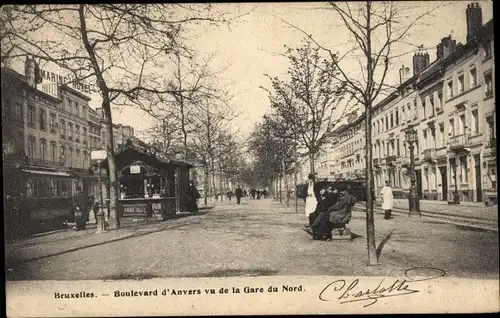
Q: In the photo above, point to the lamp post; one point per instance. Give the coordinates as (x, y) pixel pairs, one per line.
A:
(454, 164)
(414, 204)
(99, 155)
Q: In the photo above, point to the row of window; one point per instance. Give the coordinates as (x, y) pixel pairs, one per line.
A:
(49, 153)
(430, 104)
(48, 187)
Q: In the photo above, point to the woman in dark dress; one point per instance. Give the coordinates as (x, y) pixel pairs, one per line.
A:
(193, 195)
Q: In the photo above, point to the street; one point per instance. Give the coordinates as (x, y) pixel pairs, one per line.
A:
(256, 238)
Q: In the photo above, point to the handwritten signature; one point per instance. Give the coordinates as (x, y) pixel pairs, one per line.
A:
(349, 291)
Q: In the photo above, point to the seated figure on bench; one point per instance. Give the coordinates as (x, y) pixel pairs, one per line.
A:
(335, 217)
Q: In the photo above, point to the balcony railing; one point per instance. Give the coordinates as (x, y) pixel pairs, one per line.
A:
(430, 154)
(459, 142)
(390, 160)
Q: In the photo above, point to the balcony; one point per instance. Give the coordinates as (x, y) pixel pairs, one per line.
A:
(460, 142)
(405, 162)
(390, 160)
(430, 154)
(488, 93)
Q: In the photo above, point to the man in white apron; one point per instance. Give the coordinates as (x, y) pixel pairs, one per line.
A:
(387, 200)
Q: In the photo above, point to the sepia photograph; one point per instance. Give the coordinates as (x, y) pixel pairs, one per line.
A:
(249, 158)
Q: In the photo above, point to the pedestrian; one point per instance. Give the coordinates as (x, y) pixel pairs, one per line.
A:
(387, 200)
(80, 210)
(239, 194)
(193, 196)
(311, 201)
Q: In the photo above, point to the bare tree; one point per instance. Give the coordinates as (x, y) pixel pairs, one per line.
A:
(375, 29)
(311, 101)
(121, 47)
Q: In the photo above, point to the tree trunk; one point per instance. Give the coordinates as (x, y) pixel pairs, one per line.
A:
(370, 225)
(205, 186)
(311, 163)
(114, 221)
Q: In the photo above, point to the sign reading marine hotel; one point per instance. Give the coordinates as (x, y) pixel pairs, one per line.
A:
(63, 80)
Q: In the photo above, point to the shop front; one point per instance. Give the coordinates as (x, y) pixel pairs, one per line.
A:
(150, 187)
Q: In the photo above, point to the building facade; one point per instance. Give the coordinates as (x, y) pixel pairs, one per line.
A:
(450, 102)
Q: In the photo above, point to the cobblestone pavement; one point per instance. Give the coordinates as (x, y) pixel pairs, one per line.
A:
(258, 237)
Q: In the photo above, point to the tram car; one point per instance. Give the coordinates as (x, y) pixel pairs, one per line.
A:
(357, 188)
(37, 200)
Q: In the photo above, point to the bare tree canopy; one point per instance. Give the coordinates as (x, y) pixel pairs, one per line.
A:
(119, 47)
(310, 102)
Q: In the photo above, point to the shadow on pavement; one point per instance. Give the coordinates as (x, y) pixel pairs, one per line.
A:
(382, 243)
(130, 277)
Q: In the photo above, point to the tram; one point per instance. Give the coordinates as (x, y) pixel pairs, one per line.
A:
(37, 199)
(357, 188)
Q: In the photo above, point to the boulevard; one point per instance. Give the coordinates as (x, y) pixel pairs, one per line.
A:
(256, 238)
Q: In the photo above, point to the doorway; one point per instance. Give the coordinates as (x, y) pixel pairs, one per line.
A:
(418, 176)
(444, 182)
(479, 179)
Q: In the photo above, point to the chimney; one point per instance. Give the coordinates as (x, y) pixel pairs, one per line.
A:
(404, 74)
(420, 61)
(447, 47)
(474, 17)
(29, 71)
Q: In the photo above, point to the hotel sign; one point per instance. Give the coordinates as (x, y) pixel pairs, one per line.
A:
(59, 79)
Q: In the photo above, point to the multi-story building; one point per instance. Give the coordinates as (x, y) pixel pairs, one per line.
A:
(94, 129)
(450, 102)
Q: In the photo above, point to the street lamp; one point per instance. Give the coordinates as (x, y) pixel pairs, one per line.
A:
(99, 155)
(414, 204)
(454, 164)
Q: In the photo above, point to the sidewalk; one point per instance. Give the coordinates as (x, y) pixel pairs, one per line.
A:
(66, 240)
(464, 209)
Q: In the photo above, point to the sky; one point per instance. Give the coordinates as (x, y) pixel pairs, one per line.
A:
(251, 46)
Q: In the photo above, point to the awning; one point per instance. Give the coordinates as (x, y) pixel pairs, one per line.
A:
(50, 173)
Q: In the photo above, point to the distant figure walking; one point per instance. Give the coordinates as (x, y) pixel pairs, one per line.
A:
(253, 192)
(239, 194)
(387, 200)
(80, 210)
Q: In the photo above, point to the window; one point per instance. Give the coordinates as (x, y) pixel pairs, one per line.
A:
(70, 157)
(461, 83)
(77, 109)
(53, 152)
(63, 128)
(440, 100)
(70, 106)
(424, 106)
(475, 122)
(431, 102)
(441, 132)
(70, 128)
(487, 50)
(78, 159)
(77, 133)
(426, 142)
(473, 77)
(43, 119)
(31, 147)
(398, 148)
(464, 178)
(488, 84)
(463, 125)
(84, 135)
(62, 156)
(53, 122)
(31, 115)
(451, 127)
(403, 114)
(85, 160)
(449, 89)
(43, 150)
(392, 120)
(490, 120)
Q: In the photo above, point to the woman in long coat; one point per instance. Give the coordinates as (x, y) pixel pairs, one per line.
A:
(387, 200)
(311, 201)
